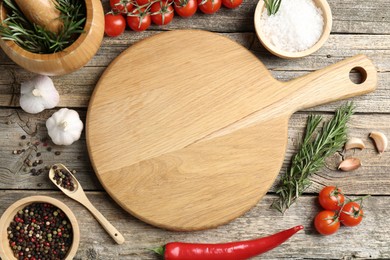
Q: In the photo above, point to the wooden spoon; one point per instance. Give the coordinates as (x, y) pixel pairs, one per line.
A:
(78, 195)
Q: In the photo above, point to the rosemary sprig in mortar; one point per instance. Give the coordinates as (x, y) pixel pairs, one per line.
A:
(311, 156)
(35, 38)
(272, 6)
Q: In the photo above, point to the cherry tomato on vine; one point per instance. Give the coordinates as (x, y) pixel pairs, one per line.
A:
(122, 6)
(326, 222)
(186, 8)
(161, 13)
(331, 198)
(139, 20)
(114, 24)
(209, 6)
(143, 2)
(231, 3)
(351, 214)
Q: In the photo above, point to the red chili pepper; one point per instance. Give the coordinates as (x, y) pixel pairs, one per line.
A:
(227, 251)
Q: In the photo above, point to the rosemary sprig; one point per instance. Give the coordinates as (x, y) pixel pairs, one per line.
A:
(311, 156)
(35, 38)
(272, 6)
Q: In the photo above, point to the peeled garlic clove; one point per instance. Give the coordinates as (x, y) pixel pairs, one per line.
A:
(354, 143)
(380, 141)
(349, 164)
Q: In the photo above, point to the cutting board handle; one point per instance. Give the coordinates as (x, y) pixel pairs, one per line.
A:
(332, 83)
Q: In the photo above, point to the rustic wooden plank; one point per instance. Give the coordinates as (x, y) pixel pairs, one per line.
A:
(15, 174)
(337, 47)
(363, 17)
(76, 88)
(371, 178)
(368, 240)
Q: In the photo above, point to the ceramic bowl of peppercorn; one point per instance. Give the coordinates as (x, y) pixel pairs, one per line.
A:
(293, 28)
(38, 227)
(51, 37)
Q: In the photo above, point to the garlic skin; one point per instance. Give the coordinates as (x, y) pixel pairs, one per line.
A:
(354, 143)
(64, 126)
(350, 164)
(38, 94)
(380, 141)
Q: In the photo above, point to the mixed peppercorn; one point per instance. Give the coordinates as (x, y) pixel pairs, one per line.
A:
(35, 152)
(34, 149)
(40, 231)
(63, 178)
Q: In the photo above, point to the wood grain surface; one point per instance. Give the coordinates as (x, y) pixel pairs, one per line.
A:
(358, 27)
(205, 134)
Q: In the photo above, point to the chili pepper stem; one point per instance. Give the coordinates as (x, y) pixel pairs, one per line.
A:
(159, 250)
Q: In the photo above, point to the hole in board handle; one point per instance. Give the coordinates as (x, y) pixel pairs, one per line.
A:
(358, 75)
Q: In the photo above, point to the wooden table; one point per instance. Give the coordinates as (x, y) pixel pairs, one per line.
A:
(358, 27)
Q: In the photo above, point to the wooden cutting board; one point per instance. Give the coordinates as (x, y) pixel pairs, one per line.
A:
(187, 130)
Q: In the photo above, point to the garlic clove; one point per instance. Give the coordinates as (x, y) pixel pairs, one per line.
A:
(380, 141)
(350, 164)
(354, 143)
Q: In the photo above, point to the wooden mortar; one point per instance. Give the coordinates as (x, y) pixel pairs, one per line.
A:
(70, 59)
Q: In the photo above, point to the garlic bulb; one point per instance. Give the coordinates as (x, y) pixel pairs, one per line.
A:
(38, 94)
(64, 126)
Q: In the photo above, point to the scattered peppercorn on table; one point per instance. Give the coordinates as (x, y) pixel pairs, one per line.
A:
(358, 27)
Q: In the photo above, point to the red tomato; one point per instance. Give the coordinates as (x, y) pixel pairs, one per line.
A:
(139, 20)
(209, 6)
(186, 8)
(114, 24)
(351, 214)
(231, 3)
(161, 12)
(326, 222)
(331, 198)
(143, 2)
(122, 6)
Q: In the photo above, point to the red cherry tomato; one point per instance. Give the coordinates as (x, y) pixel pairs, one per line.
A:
(143, 2)
(122, 6)
(331, 198)
(186, 8)
(209, 6)
(231, 3)
(139, 20)
(161, 13)
(114, 24)
(326, 222)
(351, 214)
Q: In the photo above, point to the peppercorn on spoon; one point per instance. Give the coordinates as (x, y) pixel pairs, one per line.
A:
(78, 195)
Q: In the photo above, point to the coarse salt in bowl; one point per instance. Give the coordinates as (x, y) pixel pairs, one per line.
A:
(298, 29)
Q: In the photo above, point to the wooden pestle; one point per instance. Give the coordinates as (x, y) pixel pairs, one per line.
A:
(43, 13)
